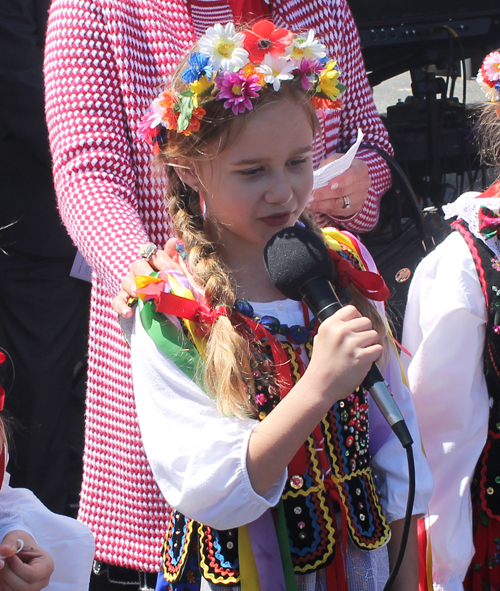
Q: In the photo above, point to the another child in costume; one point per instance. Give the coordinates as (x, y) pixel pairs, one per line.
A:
(259, 441)
(38, 549)
(452, 329)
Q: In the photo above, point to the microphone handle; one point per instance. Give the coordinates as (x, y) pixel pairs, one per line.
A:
(320, 297)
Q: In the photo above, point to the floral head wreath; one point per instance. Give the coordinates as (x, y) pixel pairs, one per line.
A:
(488, 76)
(233, 67)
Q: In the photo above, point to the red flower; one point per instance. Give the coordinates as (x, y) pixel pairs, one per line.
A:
(326, 103)
(266, 38)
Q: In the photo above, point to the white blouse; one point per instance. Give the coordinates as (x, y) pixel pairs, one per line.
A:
(69, 542)
(199, 458)
(444, 330)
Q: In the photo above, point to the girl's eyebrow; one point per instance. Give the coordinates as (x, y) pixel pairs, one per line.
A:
(304, 150)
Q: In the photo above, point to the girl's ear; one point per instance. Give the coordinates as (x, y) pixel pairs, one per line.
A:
(185, 171)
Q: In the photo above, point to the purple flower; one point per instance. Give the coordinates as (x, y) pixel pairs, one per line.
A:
(238, 90)
(308, 68)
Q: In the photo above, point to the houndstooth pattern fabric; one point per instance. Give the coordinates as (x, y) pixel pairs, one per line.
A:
(105, 61)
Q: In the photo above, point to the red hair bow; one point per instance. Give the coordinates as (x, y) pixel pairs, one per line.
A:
(200, 312)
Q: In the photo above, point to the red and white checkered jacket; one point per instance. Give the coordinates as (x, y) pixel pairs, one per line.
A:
(105, 62)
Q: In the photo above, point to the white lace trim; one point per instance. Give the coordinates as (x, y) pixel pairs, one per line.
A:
(466, 207)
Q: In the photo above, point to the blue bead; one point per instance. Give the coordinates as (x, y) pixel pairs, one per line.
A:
(272, 324)
(299, 334)
(244, 308)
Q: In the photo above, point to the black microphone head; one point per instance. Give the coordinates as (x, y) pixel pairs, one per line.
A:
(293, 257)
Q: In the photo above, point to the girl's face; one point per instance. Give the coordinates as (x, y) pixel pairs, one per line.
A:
(262, 181)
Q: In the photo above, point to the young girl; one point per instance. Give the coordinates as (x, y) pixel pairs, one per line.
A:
(452, 330)
(259, 441)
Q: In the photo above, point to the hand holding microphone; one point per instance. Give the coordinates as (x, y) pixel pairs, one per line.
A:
(301, 268)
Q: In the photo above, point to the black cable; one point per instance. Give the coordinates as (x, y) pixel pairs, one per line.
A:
(408, 518)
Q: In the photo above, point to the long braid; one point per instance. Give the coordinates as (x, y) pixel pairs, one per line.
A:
(227, 362)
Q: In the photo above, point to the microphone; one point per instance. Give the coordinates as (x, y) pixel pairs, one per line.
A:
(300, 267)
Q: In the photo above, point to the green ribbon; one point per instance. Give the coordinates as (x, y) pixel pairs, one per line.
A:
(284, 544)
(170, 340)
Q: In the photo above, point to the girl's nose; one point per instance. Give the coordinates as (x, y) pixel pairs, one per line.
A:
(279, 191)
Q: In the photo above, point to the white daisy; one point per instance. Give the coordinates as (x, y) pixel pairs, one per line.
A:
(275, 69)
(224, 47)
(491, 93)
(309, 48)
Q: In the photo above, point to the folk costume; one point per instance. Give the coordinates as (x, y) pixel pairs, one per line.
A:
(451, 329)
(105, 61)
(349, 477)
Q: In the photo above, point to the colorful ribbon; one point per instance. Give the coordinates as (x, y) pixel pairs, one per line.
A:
(266, 551)
(369, 284)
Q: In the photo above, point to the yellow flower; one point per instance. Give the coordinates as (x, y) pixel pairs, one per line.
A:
(199, 87)
(328, 80)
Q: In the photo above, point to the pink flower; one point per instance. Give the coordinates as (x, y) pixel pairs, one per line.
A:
(238, 90)
(146, 130)
(260, 399)
(491, 68)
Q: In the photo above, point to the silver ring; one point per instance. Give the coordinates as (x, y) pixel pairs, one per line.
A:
(146, 251)
(347, 202)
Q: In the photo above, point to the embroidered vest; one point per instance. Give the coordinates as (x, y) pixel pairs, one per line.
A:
(330, 473)
(486, 484)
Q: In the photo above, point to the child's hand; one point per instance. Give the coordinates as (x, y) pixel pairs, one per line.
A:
(344, 349)
(25, 570)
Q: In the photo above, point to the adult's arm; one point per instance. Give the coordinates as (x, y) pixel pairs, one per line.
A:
(90, 140)
(359, 111)
(444, 330)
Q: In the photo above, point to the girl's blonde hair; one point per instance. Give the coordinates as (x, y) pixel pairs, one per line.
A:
(228, 371)
(488, 127)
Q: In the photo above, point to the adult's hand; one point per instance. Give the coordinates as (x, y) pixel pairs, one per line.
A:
(353, 183)
(160, 261)
(26, 570)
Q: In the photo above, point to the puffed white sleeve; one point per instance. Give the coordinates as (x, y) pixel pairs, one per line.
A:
(198, 458)
(388, 457)
(69, 542)
(444, 330)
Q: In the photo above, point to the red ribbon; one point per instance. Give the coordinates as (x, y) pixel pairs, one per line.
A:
(200, 311)
(369, 284)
